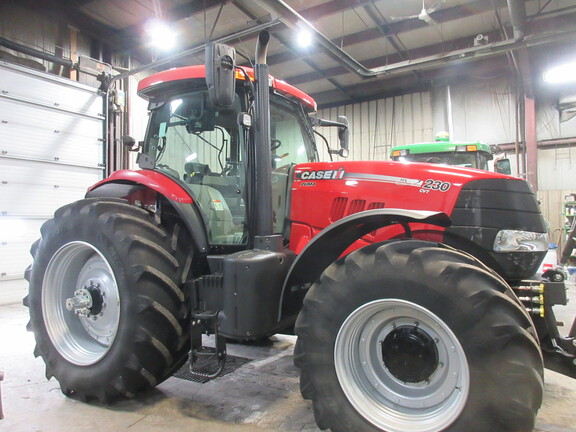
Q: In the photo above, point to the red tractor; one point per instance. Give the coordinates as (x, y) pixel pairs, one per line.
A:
(408, 285)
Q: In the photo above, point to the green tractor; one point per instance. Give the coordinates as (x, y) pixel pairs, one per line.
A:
(471, 154)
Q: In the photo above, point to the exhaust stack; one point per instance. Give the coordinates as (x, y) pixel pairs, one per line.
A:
(263, 225)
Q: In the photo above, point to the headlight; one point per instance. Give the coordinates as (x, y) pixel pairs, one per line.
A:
(520, 241)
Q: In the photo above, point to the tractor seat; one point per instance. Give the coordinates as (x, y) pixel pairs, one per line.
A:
(195, 172)
(219, 220)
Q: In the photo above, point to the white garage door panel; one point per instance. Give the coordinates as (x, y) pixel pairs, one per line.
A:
(39, 201)
(32, 133)
(51, 151)
(38, 117)
(30, 174)
(20, 230)
(50, 91)
(18, 235)
(14, 258)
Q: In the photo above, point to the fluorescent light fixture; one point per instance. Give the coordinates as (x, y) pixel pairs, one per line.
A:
(191, 157)
(304, 38)
(561, 74)
(161, 36)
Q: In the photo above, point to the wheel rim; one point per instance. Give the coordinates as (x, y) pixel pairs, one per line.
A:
(378, 385)
(80, 303)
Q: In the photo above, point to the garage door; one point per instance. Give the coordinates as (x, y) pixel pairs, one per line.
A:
(51, 150)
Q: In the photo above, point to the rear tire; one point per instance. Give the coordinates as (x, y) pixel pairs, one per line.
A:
(106, 303)
(407, 335)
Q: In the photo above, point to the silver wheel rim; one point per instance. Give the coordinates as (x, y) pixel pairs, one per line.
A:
(377, 394)
(80, 303)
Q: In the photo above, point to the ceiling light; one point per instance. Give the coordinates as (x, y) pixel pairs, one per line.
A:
(561, 74)
(304, 38)
(161, 36)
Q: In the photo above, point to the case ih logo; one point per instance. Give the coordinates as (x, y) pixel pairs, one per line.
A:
(321, 175)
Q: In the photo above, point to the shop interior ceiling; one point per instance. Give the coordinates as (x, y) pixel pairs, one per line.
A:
(360, 49)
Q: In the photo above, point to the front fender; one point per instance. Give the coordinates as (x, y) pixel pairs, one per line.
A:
(331, 242)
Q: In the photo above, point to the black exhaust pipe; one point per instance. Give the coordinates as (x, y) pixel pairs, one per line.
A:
(262, 152)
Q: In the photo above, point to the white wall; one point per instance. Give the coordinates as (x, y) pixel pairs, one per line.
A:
(551, 124)
(485, 111)
(482, 111)
(376, 126)
(557, 169)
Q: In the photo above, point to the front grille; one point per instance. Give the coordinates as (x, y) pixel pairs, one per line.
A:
(484, 207)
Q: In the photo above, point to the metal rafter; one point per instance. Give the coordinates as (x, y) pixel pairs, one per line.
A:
(442, 16)
(389, 87)
(291, 47)
(542, 26)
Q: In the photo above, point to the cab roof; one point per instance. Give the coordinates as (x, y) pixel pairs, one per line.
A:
(159, 80)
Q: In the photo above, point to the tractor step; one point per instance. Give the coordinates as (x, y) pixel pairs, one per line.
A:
(206, 363)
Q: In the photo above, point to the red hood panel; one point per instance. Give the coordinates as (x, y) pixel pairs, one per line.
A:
(324, 192)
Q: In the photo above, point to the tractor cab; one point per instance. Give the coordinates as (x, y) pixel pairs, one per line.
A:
(204, 147)
(446, 152)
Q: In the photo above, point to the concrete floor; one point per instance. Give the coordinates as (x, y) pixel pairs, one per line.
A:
(262, 395)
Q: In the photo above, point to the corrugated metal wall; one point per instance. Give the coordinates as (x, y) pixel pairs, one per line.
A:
(484, 111)
(376, 126)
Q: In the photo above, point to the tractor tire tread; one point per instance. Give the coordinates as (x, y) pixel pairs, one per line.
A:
(489, 310)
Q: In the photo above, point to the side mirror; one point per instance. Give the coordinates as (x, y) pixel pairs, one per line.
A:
(343, 135)
(128, 141)
(502, 166)
(220, 67)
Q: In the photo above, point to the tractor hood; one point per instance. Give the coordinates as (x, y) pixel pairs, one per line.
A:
(338, 189)
(484, 207)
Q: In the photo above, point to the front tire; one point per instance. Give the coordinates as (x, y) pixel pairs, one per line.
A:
(408, 335)
(106, 304)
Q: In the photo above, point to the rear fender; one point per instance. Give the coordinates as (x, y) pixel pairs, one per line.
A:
(331, 243)
(144, 187)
